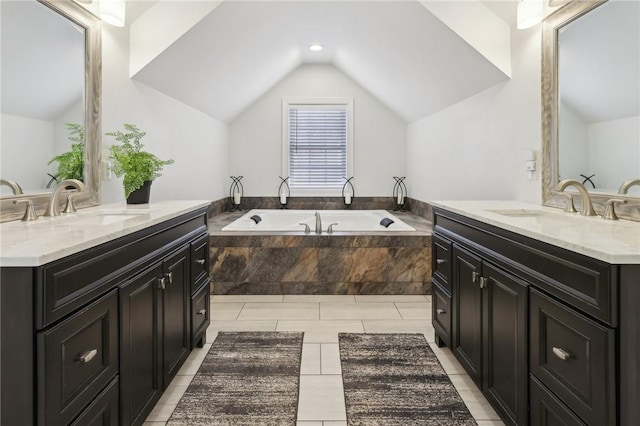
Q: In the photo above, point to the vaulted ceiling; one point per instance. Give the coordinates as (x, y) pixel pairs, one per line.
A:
(398, 50)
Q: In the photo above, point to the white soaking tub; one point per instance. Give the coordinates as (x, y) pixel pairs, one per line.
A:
(346, 220)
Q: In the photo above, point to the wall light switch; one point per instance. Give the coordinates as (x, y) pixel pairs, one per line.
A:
(107, 168)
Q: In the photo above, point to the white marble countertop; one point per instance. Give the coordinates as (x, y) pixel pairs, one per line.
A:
(616, 242)
(47, 239)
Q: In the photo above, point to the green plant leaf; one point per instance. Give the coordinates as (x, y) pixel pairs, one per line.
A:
(130, 161)
(71, 163)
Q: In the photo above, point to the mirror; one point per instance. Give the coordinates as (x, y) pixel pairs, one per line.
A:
(50, 78)
(591, 100)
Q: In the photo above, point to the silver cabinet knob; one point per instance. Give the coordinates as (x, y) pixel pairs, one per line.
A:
(561, 353)
(87, 356)
(440, 311)
(441, 261)
(200, 261)
(202, 312)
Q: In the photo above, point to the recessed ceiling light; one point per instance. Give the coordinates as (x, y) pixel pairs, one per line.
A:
(315, 47)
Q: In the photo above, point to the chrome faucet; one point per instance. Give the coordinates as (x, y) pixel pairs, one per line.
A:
(587, 207)
(53, 209)
(15, 188)
(318, 224)
(624, 188)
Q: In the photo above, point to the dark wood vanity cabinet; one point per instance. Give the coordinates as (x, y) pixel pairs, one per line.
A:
(95, 338)
(489, 335)
(551, 337)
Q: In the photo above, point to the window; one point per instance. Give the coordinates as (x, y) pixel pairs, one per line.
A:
(317, 147)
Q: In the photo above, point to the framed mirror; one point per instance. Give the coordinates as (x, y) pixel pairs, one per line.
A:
(51, 99)
(591, 101)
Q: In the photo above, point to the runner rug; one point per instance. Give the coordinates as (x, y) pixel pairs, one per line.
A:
(396, 379)
(247, 378)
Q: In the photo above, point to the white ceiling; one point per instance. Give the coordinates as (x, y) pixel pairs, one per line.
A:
(42, 61)
(599, 62)
(397, 50)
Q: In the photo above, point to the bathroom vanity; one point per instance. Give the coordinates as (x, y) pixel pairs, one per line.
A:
(541, 309)
(99, 310)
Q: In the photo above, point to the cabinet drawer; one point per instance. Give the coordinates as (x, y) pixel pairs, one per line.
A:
(442, 261)
(441, 312)
(199, 260)
(573, 356)
(547, 410)
(76, 360)
(200, 312)
(66, 285)
(104, 410)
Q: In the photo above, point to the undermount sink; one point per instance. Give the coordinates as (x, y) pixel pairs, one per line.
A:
(106, 218)
(518, 212)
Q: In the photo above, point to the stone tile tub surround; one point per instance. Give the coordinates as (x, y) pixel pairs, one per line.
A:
(345, 263)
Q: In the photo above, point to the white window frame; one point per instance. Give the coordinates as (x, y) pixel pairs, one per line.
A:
(287, 103)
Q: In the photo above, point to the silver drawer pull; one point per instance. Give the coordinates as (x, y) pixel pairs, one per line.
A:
(170, 277)
(483, 282)
(88, 356)
(474, 277)
(440, 311)
(202, 312)
(561, 353)
(200, 261)
(441, 261)
(162, 283)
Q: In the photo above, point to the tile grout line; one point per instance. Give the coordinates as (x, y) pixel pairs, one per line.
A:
(240, 311)
(398, 309)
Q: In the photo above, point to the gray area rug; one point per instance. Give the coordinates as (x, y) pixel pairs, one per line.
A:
(247, 378)
(396, 379)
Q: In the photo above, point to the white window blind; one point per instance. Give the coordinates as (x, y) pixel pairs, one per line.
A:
(318, 146)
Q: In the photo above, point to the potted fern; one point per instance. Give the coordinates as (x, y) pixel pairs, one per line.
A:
(138, 167)
(71, 163)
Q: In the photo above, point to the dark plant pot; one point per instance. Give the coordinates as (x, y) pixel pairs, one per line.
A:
(140, 195)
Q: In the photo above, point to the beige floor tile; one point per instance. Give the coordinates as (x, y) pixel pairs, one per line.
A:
(310, 363)
(224, 298)
(481, 409)
(280, 311)
(399, 326)
(172, 395)
(362, 311)
(321, 331)
(414, 311)
(321, 398)
(161, 413)
(472, 396)
(225, 311)
(334, 424)
(490, 422)
(330, 358)
(229, 325)
(373, 298)
(447, 360)
(338, 298)
(192, 364)
(309, 424)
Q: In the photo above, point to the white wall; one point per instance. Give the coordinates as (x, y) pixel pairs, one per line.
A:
(196, 142)
(614, 152)
(27, 147)
(475, 149)
(255, 136)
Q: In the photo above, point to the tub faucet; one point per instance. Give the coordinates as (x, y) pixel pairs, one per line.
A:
(624, 188)
(53, 209)
(15, 188)
(318, 224)
(587, 207)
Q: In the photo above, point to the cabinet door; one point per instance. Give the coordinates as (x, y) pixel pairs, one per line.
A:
(467, 317)
(140, 373)
(176, 320)
(505, 368)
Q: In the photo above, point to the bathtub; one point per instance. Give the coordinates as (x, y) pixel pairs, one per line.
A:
(289, 220)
